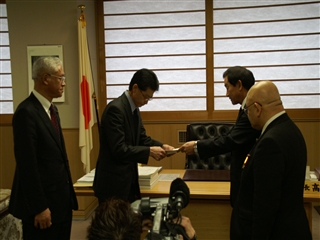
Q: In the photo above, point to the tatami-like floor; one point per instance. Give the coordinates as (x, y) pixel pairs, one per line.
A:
(79, 227)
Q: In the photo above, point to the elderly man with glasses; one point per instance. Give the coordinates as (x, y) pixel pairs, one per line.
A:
(270, 198)
(42, 193)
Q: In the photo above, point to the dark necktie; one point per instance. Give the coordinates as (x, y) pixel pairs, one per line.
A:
(135, 120)
(54, 119)
(240, 113)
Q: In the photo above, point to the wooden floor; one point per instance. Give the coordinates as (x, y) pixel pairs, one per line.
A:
(79, 227)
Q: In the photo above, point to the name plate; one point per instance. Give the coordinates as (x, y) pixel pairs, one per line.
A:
(312, 187)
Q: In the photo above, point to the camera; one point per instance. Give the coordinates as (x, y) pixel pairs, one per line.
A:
(163, 211)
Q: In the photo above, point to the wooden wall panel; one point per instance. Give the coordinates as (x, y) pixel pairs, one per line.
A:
(167, 133)
(71, 137)
(7, 160)
(311, 134)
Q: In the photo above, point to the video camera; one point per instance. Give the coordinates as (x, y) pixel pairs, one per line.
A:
(164, 210)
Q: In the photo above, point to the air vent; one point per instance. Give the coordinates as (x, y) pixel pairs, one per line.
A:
(182, 136)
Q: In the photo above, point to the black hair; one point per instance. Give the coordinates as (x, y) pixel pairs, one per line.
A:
(145, 78)
(240, 73)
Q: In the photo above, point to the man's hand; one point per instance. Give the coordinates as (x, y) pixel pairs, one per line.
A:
(167, 147)
(188, 148)
(147, 224)
(186, 224)
(43, 219)
(157, 153)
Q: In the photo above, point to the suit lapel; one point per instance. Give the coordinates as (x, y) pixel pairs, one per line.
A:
(46, 119)
(276, 121)
(281, 118)
(129, 116)
(138, 127)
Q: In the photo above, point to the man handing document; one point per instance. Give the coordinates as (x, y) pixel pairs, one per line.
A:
(124, 142)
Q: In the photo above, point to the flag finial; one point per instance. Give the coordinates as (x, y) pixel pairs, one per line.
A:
(82, 18)
(82, 7)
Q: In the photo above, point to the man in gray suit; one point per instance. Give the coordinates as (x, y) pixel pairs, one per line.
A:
(270, 198)
(124, 142)
(42, 192)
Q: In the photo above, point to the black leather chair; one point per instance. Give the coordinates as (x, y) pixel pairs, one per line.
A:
(199, 131)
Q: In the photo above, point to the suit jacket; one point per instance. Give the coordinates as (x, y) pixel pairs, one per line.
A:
(121, 148)
(270, 200)
(42, 177)
(238, 141)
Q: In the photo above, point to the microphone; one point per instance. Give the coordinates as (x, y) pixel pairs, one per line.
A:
(179, 195)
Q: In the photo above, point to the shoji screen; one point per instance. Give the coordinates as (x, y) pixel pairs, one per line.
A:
(276, 40)
(166, 37)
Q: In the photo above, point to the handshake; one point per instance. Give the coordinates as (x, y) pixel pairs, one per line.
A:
(166, 150)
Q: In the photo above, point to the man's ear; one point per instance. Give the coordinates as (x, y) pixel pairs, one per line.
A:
(135, 87)
(259, 109)
(240, 86)
(45, 78)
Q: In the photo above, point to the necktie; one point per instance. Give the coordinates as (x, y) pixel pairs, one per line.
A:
(135, 120)
(240, 113)
(54, 119)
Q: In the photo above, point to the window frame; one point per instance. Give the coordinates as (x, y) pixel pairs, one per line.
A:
(176, 116)
(5, 119)
(187, 116)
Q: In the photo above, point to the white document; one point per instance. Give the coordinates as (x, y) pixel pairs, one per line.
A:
(168, 177)
(148, 171)
(88, 177)
(172, 151)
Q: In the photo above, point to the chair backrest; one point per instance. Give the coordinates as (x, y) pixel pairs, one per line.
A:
(199, 131)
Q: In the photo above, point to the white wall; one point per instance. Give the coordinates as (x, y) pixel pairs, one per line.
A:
(50, 22)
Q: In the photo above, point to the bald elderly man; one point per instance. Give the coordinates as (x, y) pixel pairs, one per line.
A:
(270, 200)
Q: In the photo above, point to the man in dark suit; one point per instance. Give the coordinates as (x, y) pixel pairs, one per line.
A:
(42, 193)
(270, 199)
(124, 143)
(240, 139)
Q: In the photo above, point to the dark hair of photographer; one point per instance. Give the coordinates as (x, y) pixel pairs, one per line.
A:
(115, 220)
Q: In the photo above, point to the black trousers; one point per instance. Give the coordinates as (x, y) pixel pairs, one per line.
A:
(57, 231)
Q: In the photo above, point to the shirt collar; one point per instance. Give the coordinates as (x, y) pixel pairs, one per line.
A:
(132, 105)
(270, 120)
(243, 103)
(44, 102)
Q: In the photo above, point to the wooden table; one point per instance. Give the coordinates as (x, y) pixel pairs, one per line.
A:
(209, 206)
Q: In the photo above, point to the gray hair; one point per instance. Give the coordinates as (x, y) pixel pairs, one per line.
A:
(42, 65)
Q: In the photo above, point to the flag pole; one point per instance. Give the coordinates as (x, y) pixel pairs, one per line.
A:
(86, 93)
(94, 96)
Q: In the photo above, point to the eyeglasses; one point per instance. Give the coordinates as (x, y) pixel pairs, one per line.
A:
(245, 109)
(61, 78)
(146, 97)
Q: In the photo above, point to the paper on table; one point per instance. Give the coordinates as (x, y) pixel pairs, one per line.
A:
(88, 177)
(168, 177)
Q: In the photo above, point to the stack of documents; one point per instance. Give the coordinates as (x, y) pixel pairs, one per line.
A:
(148, 176)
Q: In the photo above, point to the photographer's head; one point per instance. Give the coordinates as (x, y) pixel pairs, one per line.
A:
(116, 220)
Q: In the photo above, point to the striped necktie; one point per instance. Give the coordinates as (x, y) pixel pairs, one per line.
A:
(54, 119)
